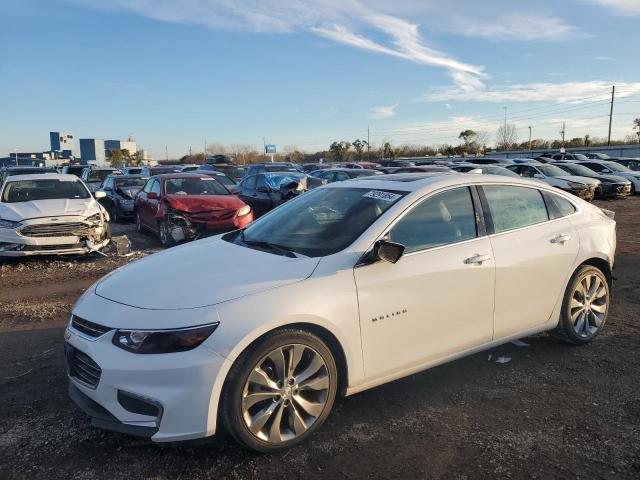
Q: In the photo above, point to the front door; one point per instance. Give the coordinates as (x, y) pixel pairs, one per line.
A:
(437, 300)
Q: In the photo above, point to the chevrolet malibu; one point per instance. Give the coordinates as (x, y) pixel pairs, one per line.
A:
(344, 288)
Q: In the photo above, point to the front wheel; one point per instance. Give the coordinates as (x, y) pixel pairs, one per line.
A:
(166, 239)
(279, 391)
(584, 308)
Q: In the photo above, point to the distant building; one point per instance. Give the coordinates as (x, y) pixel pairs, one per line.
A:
(129, 145)
(62, 143)
(92, 150)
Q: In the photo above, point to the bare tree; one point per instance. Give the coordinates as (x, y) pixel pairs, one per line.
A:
(506, 136)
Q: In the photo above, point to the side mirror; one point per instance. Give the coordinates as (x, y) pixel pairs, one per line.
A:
(152, 196)
(99, 194)
(388, 251)
(264, 190)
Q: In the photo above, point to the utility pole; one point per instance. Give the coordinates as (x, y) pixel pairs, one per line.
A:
(613, 94)
(166, 152)
(205, 150)
(563, 132)
(368, 143)
(505, 118)
(529, 137)
(189, 153)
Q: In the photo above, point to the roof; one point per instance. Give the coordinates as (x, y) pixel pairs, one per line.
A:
(410, 182)
(129, 175)
(63, 177)
(27, 167)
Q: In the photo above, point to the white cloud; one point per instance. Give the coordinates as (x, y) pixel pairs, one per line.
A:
(622, 7)
(516, 27)
(534, 92)
(383, 111)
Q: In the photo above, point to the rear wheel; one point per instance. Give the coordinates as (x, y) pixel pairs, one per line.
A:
(584, 308)
(279, 391)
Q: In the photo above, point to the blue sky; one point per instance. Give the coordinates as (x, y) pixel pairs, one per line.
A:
(177, 72)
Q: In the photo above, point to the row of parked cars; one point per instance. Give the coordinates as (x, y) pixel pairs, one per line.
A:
(185, 202)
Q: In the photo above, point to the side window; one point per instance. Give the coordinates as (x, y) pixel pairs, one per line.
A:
(155, 187)
(250, 182)
(444, 218)
(341, 176)
(147, 186)
(528, 171)
(514, 207)
(261, 182)
(596, 166)
(108, 184)
(558, 206)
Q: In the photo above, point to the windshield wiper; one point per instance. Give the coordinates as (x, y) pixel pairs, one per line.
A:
(279, 249)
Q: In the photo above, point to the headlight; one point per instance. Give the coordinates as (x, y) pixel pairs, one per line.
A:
(9, 224)
(244, 211)
(94, 218)
(163, 341)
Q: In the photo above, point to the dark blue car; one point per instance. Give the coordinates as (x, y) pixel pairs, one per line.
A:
(121, 191)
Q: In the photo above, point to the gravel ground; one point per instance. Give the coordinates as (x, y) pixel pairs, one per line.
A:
(553, 411)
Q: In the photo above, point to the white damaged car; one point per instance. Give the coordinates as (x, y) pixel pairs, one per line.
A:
(47, 214)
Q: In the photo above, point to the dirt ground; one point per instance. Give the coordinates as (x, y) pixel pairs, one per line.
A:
(553, 411)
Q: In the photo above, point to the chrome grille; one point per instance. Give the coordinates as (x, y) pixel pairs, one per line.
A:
(88, 328)
(70, 229)
(82, 367)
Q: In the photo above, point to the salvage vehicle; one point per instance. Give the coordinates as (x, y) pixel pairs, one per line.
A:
(347, 287)
(119, 195)
(187, 206)
(9, 171)
(330, 175)
(94, 176)
(150, 171)
(614, 168)
(582, 187)
(256, 168)
(45, 214)
(610, 185)
(630, 163)
(74, 169)
(265, 191)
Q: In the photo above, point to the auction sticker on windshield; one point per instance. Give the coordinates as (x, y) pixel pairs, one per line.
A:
(382, 195)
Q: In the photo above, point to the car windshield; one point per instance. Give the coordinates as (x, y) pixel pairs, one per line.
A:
(223, 179)
(27, 171)
(100, 175)
(616, 167)
(45, 189)
(601, 156)
(321, 222)
(551, 170)
(580, 156)
(280, 168)
(160, 171)
(579, 170)
(130, 182)
(194, 186)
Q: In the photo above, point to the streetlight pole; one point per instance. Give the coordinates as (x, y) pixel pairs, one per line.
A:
(529, 137)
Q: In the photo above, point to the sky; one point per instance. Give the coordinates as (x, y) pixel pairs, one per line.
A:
(176, 73)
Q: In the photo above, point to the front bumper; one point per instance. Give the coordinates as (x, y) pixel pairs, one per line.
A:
(615, 189)
(180, 385)
(189, 226)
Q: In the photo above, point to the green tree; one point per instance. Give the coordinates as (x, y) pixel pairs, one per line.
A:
(116, 158)
(359, 146)
(339, 150)
(467, 136)
(387, 150)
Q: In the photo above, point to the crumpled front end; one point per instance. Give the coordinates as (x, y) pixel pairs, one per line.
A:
(67, 235)
(190, 225)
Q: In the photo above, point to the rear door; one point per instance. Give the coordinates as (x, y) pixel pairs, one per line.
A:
(437, 300)
(534, 253)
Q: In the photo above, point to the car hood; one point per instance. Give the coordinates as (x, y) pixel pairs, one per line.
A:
(48, 208)
(578, 179)
(611, 178)
(204, 203)
(200, 274)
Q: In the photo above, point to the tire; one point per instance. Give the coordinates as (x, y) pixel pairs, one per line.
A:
(166, 240)
(113, 213)
(293, 409)
(584, 307)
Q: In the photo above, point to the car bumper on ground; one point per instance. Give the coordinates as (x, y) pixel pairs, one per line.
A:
(164, 397)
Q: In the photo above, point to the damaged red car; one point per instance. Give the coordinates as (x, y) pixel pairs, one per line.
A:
(186, 206)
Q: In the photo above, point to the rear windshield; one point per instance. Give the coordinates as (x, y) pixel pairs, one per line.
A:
(130, 182)
(49, 189)
(194, 186)
(96, 176)
(28, 171)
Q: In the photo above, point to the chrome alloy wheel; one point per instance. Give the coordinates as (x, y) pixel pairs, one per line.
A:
(588, 305)
(285, 393)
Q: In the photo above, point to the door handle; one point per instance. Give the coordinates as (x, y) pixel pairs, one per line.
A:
(561, 239)
(477, 259)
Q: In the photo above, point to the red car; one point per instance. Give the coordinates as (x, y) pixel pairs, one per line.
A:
(184, 206)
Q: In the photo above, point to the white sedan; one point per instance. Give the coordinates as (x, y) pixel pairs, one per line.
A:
(45, 214)
(347, 287)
